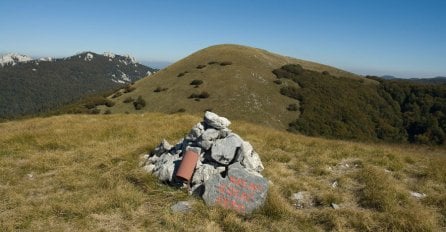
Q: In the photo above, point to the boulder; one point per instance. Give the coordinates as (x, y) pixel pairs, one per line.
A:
(182, 207)
(207, 138)
(165, 167)
(224, 150)
(239, 190)
(250, 158)
(163, 147)
(215, 121)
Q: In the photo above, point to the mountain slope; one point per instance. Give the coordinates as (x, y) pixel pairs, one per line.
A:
(80, 173)
(257, 86)
(239, 81)
(31, 86)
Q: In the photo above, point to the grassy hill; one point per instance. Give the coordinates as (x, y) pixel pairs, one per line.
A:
(80, 173)
(238, 79)
(257, 86)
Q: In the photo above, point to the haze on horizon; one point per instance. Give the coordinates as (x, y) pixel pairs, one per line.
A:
(400, 38)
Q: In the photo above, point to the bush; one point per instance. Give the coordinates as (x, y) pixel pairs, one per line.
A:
(128, 100)
(181, 110)
(293, 68)
(292, 92)
(182, 74)
(196, 96)
(292, 107)
(95, 111)
(109, 103)
(201, 66)
(129, 89)
(118, 94)
(224, 63)
(279, 82)
(212, 62)
(159, 89)
(196, 82)
(139, 103)
(107, 112)
(325, 73)
(204, 94)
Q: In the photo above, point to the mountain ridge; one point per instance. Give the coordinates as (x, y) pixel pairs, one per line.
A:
(36, 85)
(258, 86)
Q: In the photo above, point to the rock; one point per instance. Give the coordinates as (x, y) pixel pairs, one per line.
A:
(215, 121)
(335, 206)
(334, 184)
(149, 168)
(223, 150)
(166, 166)
(162, 148)
(223, 133)
(417, 195)
(204, 173)
(250, 158)
(208, 137)
(302, 199)
(239, 190)
(182, 207)
(195, 132)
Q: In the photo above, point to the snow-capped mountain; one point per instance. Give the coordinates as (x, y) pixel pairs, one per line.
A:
(31, 85)
(13, 59)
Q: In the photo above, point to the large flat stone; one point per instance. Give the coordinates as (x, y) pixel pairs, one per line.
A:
(240, 190)
(215, 121)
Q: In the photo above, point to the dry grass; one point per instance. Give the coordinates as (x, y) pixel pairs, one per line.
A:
(80, 173)
(244, 90)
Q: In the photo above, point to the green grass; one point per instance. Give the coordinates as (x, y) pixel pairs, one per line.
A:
(81, 172)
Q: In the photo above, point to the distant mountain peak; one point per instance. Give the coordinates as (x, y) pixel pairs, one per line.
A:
(13, 59)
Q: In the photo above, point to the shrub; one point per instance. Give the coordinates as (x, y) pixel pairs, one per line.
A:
(159, 89)
(118, 94)
(95, 111)
(181, 110)
(129, 89)
(196, 96)
(201, 66)
(139, 103)
(128, 100)
(196, 82)
(292, 107)
(279, 82)
(204, 94)
(212, 62)
(293, 68)
(109, 103)
(325, 73)
(292, 92)
(107, 112)
(224, 63)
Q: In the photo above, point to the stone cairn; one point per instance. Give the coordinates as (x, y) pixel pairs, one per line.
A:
(226, 171)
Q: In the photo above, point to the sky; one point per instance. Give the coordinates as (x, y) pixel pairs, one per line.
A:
(404, 38)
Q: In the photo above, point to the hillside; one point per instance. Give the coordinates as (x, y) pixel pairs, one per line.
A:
(80, 173)
(238, 79)
(31, 86)
(257, 86)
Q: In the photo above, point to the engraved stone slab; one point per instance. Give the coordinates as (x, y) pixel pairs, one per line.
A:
(240, 190)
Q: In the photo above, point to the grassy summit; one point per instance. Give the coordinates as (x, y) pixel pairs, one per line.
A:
(234, 80)
(260, 87)
(79, 172)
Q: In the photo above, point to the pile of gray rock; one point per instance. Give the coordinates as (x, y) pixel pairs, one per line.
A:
(228, 169)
